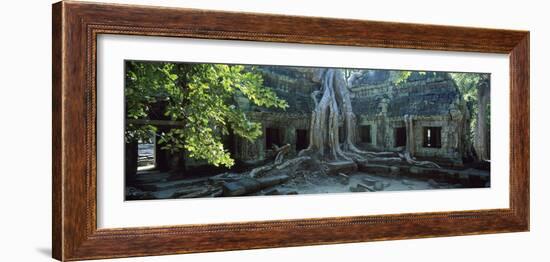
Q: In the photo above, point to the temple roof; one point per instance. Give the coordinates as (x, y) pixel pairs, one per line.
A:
(422, 94)
(433, 98)
(297, 103)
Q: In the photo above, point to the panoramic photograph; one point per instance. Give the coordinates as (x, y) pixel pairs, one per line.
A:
(203, 130)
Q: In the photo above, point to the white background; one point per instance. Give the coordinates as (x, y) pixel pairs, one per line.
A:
(25, 106)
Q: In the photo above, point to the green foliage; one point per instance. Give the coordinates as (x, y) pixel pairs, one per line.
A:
(146, 83)
(203, 97)
(468, 84)
(400, 77)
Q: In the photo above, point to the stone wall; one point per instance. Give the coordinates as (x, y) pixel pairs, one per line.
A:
(432, 99)
(383, 136)
(294, 85)
(287, 124)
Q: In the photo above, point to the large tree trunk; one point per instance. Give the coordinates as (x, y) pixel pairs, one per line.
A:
(162, 156)
(409, 128)
(481, 141)
(334, 108)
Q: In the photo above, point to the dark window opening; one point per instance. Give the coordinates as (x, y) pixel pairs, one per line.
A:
(400, 136)
(301, 139)
(364, 134)
(229, 142)
(432, 137)
(272, 137)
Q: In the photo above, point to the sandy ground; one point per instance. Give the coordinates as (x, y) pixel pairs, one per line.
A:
(310, 183)
(316, 184)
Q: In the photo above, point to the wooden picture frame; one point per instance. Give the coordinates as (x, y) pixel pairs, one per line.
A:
(76, 26)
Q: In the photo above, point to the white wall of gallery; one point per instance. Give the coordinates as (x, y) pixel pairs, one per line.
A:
(25, 129)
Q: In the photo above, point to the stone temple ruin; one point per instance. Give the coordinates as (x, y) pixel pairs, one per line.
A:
(425, 116)
(439, 115)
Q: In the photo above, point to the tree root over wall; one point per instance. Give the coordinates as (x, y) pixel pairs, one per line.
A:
(332, 110)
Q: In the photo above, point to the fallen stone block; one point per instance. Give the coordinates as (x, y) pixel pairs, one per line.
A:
(186, 191)
(369, 181)
(369, 188)
(247, 185)
(159, 186)
(272, 192)
(344, 179)
(218, 180)
(432, 183)
(356, 189)
(202, 193)
(272, 180)
(374, 168)
(136, 194)
(217, 193)
(345, 167)
(241, 187)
